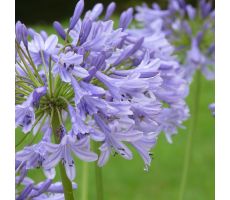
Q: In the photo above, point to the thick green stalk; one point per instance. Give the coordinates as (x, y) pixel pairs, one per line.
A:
(67, 185)
(85, 181)
(98, 177)
(192, 130)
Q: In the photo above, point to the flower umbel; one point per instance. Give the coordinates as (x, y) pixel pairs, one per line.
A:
(114, 87)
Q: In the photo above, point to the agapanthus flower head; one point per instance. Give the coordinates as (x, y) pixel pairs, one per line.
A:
(115, 87)
(189, 29)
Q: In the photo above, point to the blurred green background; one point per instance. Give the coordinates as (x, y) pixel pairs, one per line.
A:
(127, 180)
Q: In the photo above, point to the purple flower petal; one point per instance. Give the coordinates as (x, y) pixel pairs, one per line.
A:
(51, 42)
(77, 13)
(109, 11)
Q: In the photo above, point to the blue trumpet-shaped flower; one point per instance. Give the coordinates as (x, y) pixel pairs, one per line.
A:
(68, 65)
(62, 152)
(41, 49)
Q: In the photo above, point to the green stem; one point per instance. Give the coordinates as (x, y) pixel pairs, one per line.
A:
(30, 60)
(67, 185)
(85, 181)
(21, 141)
(28, 70)
(98, 177)
(39, 129)
(20, 91)
(33, 65)
(50, 78)
(48, 75)
(24, 86)
(193, 126)
(67, 35)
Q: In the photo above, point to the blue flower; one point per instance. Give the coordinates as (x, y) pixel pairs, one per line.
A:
(126, 18)
(21, 33)
(109, 11)
(34, 157)
(95, 12)
(58, 27)
(113, 140)
(39, 47)
(24, 113)
(212, 108)
(78, 125)
(43, 190)
(77, 13)
(37, 94)
(62, 152)
(172, 118)
(24, 117)
(144, 146)
(68, 65)
(131, 85)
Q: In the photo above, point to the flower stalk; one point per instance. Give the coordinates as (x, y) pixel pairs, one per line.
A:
(85, 181)
(67, 185)
(193, 128)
